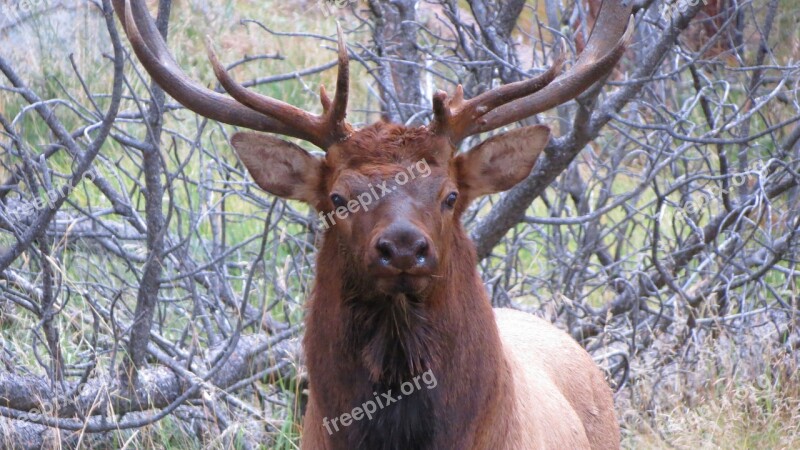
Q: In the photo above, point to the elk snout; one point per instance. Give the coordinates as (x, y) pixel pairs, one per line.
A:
(403, 248)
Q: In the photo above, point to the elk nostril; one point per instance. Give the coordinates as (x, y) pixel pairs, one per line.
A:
(422, 250)
(384, 248)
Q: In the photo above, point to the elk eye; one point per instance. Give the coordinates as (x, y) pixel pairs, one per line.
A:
(450, 201)
(338, 201)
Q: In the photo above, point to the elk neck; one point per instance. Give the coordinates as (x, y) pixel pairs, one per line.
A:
(359, 343)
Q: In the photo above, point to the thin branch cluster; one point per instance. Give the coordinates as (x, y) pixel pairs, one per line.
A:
(145, 279)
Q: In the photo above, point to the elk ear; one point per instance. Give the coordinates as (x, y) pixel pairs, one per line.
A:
(500, 162)
(279, 167)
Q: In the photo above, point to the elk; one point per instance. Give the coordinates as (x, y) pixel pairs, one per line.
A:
(397, 294)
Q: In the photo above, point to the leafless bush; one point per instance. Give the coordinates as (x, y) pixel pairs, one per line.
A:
(146, 278)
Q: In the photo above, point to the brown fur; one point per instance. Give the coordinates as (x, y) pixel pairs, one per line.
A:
(504, 379)
(519, 384)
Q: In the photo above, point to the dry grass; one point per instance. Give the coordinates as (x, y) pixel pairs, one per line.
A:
(727, 395)
(743, 416)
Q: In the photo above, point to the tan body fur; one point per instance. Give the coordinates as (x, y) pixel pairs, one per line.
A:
(554, 410)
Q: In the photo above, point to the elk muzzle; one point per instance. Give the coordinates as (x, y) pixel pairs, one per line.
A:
(402, 257)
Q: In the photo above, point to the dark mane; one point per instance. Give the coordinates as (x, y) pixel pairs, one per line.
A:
(409, 424)
(395, 341)
(393, 337)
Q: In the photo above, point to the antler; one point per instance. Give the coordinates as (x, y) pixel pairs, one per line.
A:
(246, 109)
(510, 103)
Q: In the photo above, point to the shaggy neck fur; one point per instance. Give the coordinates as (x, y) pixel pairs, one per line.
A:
(361, 344)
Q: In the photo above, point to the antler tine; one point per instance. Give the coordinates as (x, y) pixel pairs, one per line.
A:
(457, 118)
(336, 112)
(610, 36)
(246, 109)
(607, 43)
(322, 130)
(269, 106)
(339, 111)
(151, 51)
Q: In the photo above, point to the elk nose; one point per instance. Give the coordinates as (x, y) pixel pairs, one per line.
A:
(404, 248)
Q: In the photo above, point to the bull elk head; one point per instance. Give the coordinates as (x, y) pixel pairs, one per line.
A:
(288, 171)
